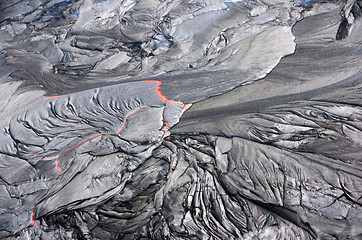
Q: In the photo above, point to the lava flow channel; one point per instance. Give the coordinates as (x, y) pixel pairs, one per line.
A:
(158, 100)
(164, 129)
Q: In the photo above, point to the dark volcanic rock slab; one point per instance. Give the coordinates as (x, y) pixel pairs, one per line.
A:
(98, 140)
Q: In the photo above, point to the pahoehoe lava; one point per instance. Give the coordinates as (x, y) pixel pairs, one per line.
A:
(218, 119)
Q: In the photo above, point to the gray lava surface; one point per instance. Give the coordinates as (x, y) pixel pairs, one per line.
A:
(173, 119)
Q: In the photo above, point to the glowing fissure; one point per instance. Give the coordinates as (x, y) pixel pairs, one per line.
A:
(56, 157)
(159, 93)
(96, 135)
(23, 108)
(164, 98)
(186, 106)
(30, 104)
(164, 129)
(32, 220)
(32, 76)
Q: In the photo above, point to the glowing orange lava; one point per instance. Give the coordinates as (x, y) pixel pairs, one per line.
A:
(32, 220)
(32, 76)
(56, 157)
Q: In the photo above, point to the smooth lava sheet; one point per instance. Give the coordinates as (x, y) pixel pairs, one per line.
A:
(180, 119)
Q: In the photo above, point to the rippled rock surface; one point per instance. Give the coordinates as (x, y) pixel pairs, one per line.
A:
(180, 119)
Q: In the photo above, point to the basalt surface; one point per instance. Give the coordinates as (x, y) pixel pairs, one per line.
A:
(180, 119)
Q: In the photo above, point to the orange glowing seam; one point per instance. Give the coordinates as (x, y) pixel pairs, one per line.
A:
(159, 93)
(34, 224)
(164, 98)
(56, 157)
(32, 76)
(32, 220)
(40, 100)
(164, 129)
(29, 105)
(96, 135)
(57, 167)
(186, 106)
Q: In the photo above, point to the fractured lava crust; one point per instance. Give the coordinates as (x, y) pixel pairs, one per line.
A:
(41, 154)
(98, 139)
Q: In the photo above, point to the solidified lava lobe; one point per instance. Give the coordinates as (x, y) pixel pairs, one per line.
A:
(57, 117)
(271, 148)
